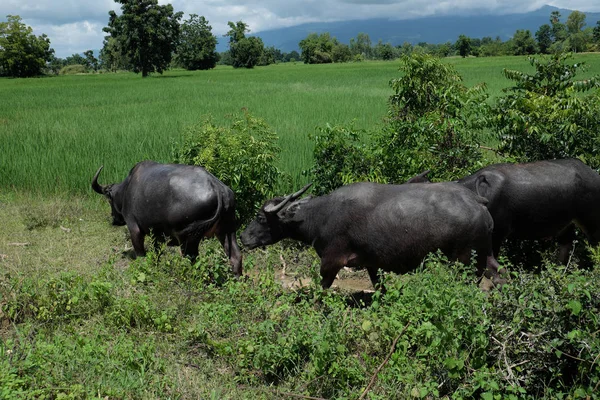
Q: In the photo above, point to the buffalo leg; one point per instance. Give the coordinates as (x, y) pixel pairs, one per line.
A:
(565, 242)
(329, 270)
(137, 239)
(189, 248)
(374, 275)
(232, 251)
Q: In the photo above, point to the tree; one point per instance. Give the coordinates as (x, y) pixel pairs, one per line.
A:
(197, 47)
(544, 38)
(559, 30)
(575, 22)
(384, 51)
(292, 56)
(90, 61)
(523, 43)
(463, 45)
(22, 54)
(317, 49)
(245, 51)
(147, 34)
(341, 53)
(596, 32)
(361, 45)
(112, 58)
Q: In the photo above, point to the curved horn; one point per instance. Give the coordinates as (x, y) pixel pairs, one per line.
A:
(275, 209)
(95, 185)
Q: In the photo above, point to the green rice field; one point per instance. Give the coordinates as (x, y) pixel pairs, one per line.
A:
(56, 131)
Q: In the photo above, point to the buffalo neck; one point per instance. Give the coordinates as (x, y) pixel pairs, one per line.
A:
(306, 222)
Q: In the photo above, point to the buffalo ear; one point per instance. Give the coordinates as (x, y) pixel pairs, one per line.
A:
(295, 206)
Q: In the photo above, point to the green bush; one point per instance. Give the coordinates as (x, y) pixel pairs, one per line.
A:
(73, 69)
(242, 155)
(340, 157)
(545, 115)
(434, 122)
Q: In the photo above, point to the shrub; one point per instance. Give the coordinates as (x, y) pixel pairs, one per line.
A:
(73, 69)
(242, 155)
(340, 158)
(546, 116)
(434, 122)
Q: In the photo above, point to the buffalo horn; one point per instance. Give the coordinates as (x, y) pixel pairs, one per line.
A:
(275, 209)
(95, 185)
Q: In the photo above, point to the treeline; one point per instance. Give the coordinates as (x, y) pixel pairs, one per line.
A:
(147, 37)
(556, 36)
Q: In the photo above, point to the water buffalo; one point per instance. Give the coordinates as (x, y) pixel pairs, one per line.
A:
(388, 227)
(180, 204)
(539, 200)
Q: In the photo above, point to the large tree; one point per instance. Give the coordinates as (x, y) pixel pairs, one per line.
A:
(318, 49)
(575, 24)
(463, 45)
(22, 54)
(147, 34)
(245, 51)
(523, 43)
(197, 45)
(544, 38)
(361, 45)
(559, 30)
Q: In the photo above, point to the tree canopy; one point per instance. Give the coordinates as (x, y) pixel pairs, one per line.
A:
(22, 54)
(245, 51)
(197, 45)
(147, 34)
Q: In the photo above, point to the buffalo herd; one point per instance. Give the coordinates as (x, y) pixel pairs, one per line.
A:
(375, 226)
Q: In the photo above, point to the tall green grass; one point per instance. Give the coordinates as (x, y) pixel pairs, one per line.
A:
(55, 132)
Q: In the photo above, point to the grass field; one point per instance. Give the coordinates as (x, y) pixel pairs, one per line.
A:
(56, 131)
(80, 319)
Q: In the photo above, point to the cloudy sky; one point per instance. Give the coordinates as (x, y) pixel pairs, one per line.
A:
(74, 26)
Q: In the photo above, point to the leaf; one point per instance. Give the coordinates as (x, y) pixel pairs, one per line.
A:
(575, 307)
(366, 325)
(558, 353)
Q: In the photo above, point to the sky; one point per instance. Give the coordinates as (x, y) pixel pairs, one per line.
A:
(75, 26)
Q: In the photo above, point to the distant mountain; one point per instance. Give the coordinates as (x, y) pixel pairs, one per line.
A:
(428, 29)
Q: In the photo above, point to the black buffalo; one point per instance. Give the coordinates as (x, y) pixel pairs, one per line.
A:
(180, 204)
(388, 227)
(540, 200)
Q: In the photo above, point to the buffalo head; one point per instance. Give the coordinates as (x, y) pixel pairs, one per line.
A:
(269, 225)
(111, 192)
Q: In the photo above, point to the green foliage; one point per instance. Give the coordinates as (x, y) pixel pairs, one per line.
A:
(544, 38)
(91, 61)
(341, 53)
(523, 43)
(433, 122)
(197, 48)
(463, 45)
(340, 157)
(243, 156)
(245, 51)
(546, 116)
(146, 33)
(544, 335)
(22, 54)
(317, 48)
(73, 69)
